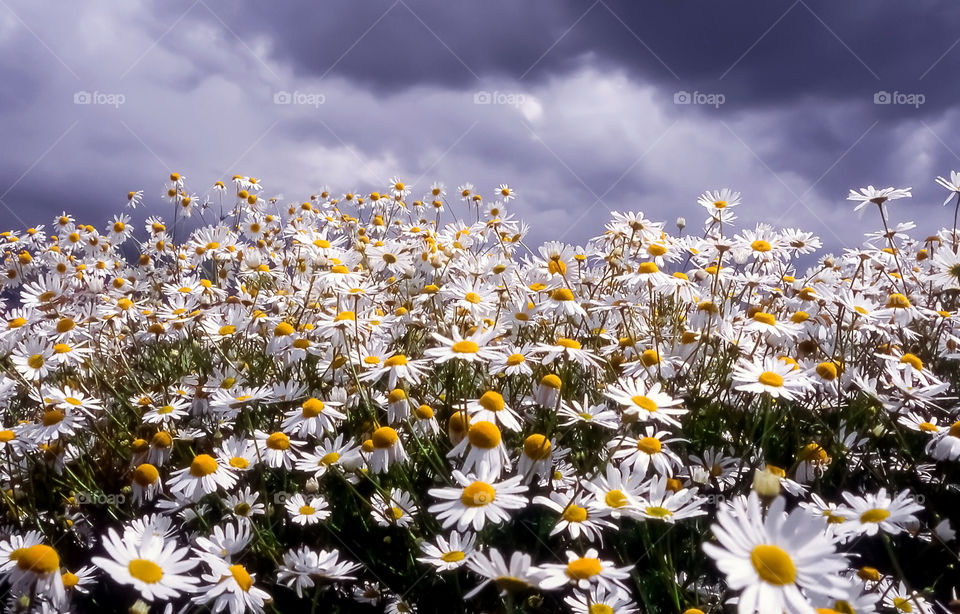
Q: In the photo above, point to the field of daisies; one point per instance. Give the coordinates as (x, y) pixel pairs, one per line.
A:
(369, 403)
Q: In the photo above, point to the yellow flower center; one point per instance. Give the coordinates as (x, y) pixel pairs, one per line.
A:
(395, 361)
(306, 510)
(35, 361)
(515, 359)
(765, 318)
(145, 475)
(773, 564)
(827, 370)
(570, 344)
(645, 402)
(311, 408)
(478, 494)
(453, 556)
(615, 498)
(898, 301)
(54, 416)
(472, 297)
(537, 447)
(769, 378)
(649, 445)
(551, 381)
(658, 512)
(39, 559)
(241, 577)
(329, 458)
(484, 435)
(561, 294)
(384, 437)
(491, 401)
(465, 347)
(583, 568)
(278, 441)
(203, 464)
(145, 571)
(874, 515)
(575, 513)
(650, 358)
(912, 360)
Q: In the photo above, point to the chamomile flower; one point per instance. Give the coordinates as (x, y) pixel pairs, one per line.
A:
(874, 512)
(776, 560)
(204, 476)
(478, 500)
(231, 587)
(306, 512)
(446, 554)
(645, 403)
(156, 568)
(584, 571)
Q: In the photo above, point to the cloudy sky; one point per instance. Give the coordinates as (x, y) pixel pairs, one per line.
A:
(584, 107)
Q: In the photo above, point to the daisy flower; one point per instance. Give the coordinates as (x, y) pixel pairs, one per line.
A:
(576, 517)
(301, 568)
(155, 567)
(876, 512)
(776, 561)
(640, 453)
(645, 403)
(306, 513)
(772, 376)
(470, 349)
(876, 196)
(397, 509)
(514, 577)
(478, 500)
(492, 408)
(574, 412)
(446, 554)
(384, 449)
(946, 444)
(277, 449)
(953, 186)
(602, 600)
(202, 477)
(662, 503)
(485, 444)
(584, 571)
(230, 587)
(315, 417)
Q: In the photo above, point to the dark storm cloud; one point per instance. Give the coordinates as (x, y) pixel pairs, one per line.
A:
(757, 53)
(599, 130)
